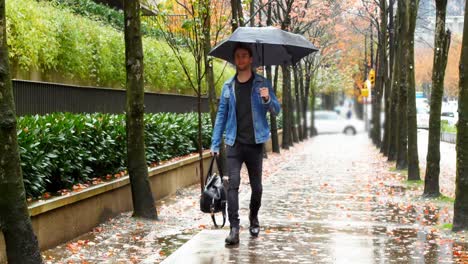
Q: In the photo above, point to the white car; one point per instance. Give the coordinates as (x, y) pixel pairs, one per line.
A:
(450, 116)
(331, 122)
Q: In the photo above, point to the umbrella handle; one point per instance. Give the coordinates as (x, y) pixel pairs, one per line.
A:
(263, 57)
(257, 43)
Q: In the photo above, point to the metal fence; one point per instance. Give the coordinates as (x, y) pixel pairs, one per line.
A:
(449, 137)
(42, 98)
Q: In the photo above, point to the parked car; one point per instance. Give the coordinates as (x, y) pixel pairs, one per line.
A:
(450, 116)
(331, 122)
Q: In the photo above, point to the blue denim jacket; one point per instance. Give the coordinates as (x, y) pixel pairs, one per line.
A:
(226, 118)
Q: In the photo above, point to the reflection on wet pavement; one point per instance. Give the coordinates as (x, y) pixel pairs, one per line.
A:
(334, 201)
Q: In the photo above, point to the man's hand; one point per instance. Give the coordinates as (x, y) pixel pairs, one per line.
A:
(265, 94)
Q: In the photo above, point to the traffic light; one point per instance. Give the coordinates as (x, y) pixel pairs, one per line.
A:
(372, 76)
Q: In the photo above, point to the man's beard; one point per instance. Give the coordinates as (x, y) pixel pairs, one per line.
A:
(242, 68)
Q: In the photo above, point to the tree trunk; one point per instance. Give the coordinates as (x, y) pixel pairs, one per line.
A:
(392, 153)
(413, 159)
(252, 13)
(392, 146)
(240, 13)
(390, 107)
(292, 104)
(391, 37)
(269, 18)
(305, 102)
(286, 108)
(305, 106)
(460, 215)
(298, 104)
(234, 15)
(372, 97)
(376, 99)
(288, 119)
(302, 131)
(293, 109)
(15, 224)
(402, 120)
(313, 130)
(383, 69)
(210, 83)
(260, 17)
(441, 49)
(212, 97)
(273, 119)
(200, 144)
(142, 197)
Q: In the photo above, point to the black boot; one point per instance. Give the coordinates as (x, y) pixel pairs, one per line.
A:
(254, 228)
(233, 238)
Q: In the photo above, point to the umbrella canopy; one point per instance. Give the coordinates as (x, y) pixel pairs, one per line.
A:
(269, 45)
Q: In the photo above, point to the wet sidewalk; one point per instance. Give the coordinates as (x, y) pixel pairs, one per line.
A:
(448, 162)
(331, 199)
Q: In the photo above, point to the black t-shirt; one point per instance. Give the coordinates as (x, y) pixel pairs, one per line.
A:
(245, 129)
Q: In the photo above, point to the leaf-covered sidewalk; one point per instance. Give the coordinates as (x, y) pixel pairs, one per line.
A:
(331, 199)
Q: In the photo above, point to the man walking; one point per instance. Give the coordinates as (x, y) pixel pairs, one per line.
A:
(245, 100)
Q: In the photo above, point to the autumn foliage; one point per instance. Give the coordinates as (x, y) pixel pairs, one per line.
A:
(423, 66)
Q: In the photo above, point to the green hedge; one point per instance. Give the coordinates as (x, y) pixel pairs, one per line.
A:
(104, 13)
(63, 149)
(55, 41)
(96, 11)
(445, 127)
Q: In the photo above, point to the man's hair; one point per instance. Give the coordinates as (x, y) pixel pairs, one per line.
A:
(244, 47)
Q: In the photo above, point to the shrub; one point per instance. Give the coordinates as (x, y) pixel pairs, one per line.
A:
(63, 149)
(103, 13)
(445, 127)
(96, 11)
(56, 41)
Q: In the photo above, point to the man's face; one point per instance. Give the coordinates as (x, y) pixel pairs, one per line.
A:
(242, 60)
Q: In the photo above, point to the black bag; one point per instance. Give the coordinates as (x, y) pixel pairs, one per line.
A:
(213, 197)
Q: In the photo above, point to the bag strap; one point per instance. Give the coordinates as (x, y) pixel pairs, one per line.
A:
(210, 170)
(224, 215)
(218, 165)
(223, 202)
(223, 207)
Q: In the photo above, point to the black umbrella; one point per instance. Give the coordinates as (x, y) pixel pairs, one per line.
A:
(269, 45)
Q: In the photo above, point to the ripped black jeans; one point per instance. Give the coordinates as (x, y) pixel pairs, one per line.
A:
(252, 155)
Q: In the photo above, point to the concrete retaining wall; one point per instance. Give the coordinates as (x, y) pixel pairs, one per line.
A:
(61, 219)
